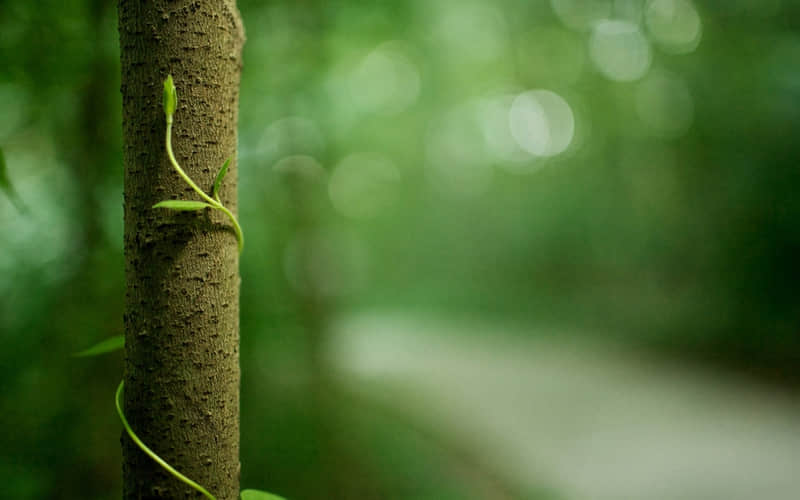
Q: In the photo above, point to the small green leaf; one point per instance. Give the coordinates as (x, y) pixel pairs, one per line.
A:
(183, 205)
(6, 186)
(108, 345)
(170, 97)
(259, 495)
(220, 176)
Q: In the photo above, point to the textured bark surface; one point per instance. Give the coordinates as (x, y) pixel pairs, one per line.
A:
(182, 303)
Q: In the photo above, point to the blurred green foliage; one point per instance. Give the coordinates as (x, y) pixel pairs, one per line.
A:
(393, 156)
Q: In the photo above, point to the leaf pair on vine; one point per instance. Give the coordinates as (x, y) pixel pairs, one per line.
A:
(192, 205)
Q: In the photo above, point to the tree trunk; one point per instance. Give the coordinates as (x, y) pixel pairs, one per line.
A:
(182, 302)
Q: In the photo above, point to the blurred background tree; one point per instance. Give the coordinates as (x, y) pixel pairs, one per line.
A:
(619, 171)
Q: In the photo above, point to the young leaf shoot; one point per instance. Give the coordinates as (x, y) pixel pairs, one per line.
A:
(170, 104)
(218, 180)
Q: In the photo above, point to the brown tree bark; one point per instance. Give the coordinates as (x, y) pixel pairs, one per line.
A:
(182, 302)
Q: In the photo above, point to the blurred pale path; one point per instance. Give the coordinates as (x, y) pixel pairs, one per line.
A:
(592, 422)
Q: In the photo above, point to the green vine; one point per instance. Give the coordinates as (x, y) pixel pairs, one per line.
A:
(118, 342)
(213, 201)
(160, 461)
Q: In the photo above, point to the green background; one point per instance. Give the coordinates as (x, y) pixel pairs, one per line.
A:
(377, 175)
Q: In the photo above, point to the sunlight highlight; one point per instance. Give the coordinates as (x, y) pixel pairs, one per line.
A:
(542, 122)
(290, 136)
(674, 25)
(386, 82)
(619, 50)
(581, 14)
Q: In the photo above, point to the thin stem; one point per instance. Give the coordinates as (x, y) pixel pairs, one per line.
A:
(236, 227)
(150, 452)
(214, 202)
(211, 201)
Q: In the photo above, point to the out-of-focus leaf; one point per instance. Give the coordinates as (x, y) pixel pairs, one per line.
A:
(259, 495)
(183, 205)
(4, 182)
(108, 345)
(6, 186)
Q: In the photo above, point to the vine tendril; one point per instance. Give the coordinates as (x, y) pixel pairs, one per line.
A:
(160, 461)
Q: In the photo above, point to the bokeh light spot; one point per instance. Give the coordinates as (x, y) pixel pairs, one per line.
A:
(541, 122)
(290, 136)
(674, 25)
(619, 50)
(629, 10)
(500, 143)
(581, 14)
(300, 167)
(43, 239)
(386, 81)
(471, 31)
